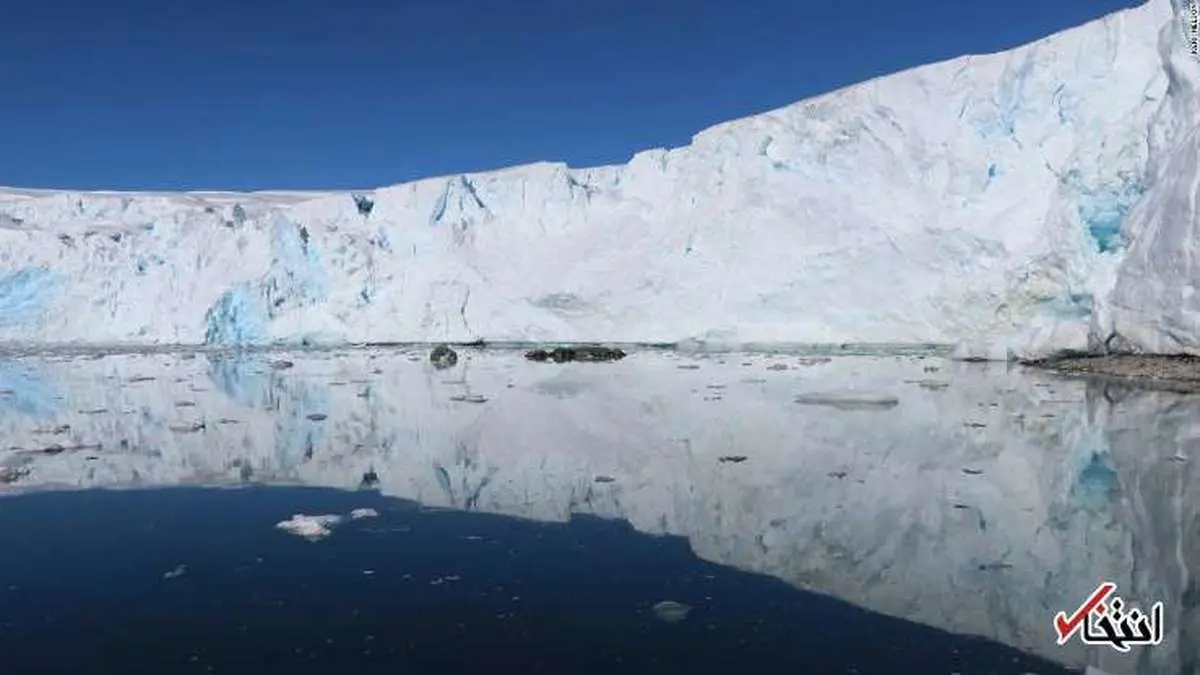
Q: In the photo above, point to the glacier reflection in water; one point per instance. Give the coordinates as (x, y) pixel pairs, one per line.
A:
(194, 580)
(974, 498)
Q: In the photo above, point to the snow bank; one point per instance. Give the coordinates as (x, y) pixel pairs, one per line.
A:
(979, 200)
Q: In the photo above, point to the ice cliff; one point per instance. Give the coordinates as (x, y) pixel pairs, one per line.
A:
(980, 201)
(1153, 307)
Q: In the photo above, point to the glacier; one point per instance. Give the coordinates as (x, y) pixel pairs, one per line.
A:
(1032, 488)
(1017, 204)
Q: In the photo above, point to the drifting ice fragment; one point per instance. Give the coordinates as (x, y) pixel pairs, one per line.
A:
(849, 399)
(671, 611)
(309, 527)
(314, 528)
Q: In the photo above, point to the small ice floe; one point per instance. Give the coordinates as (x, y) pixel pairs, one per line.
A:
(312, 528)
(671, 611)
(315, 528)
(850, 399)
(179, 571)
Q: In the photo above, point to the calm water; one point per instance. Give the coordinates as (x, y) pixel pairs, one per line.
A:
(860, 514)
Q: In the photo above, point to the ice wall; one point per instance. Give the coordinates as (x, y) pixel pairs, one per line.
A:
(980, 200)
(1153, 306)
(984, 501)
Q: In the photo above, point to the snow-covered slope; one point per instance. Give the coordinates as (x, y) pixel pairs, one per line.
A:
(983, 501)
(968, 201)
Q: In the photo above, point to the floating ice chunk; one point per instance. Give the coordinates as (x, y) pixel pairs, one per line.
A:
(319, 527)
(849, 399)
(671, 611)
(309, 527)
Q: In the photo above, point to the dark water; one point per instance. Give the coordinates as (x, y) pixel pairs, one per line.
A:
(91, 582)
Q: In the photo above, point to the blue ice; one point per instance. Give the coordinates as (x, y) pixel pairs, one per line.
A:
(296, 277)
(244, 378)
(297, 434)
(1103, 210)
(23, 294)
(1096, 483)
(1073, 305)
(238, 317)
(1103, 215)
(250, 381)
(24, 391)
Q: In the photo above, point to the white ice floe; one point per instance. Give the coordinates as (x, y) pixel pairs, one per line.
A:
(309, 527)
(319, 527)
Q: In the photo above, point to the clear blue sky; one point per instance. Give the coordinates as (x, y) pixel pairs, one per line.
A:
(268, 94)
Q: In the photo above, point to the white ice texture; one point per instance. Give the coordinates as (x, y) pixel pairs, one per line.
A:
(1015, 204)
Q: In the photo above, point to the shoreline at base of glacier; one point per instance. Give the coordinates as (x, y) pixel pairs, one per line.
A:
(1178, 373)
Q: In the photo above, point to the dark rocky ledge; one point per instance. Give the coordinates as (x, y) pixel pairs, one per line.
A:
(1179, 373)
(576, 353)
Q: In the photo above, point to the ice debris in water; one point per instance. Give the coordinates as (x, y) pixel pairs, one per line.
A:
(309, 527)
(849, 399)
(671, 611)
(315, 528)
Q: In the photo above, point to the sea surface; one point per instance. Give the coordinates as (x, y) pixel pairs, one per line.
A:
(670, 512)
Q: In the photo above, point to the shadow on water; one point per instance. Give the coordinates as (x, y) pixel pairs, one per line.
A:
(194, 580)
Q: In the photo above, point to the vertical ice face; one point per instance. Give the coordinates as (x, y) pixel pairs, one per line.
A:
(985, 200)
(1153, 306)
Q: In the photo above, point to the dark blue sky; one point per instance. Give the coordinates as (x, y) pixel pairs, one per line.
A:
(265, 94)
